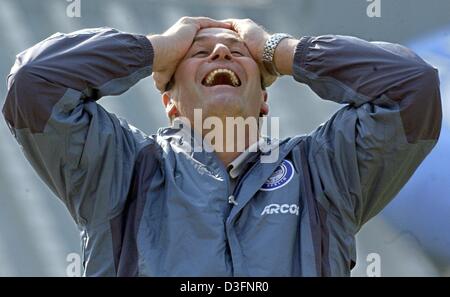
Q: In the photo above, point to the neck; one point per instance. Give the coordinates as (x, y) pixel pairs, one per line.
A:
(229, 137)
(228, 141)
(227, 157)
(231, 147)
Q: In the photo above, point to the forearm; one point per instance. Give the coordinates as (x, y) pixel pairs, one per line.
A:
(86, 60)
(347, 69)
(88, 63)
(353, 71)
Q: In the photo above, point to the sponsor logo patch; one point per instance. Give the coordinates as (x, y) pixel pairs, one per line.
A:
(281, 209)
(281, 176)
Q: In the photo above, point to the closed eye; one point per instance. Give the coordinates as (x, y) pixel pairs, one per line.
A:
(237, 53)
(200, 54)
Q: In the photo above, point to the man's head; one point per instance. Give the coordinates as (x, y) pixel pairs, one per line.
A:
(219, 76)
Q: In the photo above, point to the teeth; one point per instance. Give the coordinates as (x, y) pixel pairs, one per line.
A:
(232, 75)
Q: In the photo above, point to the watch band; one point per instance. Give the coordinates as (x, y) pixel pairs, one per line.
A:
(269, 51)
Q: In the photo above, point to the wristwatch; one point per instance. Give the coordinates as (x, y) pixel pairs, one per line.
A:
(269, 51)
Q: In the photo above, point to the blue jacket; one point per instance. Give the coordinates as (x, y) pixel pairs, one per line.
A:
(146, 205)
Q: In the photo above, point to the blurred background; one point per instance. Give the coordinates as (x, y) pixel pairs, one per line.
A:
(411, 236)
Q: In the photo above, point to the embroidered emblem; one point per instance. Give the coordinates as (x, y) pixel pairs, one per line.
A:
(281, 176)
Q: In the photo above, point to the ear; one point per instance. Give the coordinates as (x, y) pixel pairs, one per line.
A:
(169, 105)
(264, 106)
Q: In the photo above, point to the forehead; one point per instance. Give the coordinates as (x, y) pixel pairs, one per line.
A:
(212, 35)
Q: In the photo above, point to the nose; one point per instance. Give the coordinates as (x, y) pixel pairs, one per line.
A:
(220, 51)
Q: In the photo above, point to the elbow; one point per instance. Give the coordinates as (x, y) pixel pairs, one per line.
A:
(421, 112)
(429, 79)
(17, 80)
(433, 108)
(27, 101)
(21, 70)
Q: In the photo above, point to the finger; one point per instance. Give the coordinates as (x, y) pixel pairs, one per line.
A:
(205, 22)
(232, 22)
(229, 21)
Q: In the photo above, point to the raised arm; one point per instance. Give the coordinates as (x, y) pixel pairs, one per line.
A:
(82, 152)
(365, 153)
(370, 148)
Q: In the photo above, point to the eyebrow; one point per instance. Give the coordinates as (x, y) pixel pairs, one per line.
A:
(229, 40)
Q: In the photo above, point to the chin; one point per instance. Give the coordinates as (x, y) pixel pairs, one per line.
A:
(223, 104)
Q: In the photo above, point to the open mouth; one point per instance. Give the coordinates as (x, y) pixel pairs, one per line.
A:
(221, 76)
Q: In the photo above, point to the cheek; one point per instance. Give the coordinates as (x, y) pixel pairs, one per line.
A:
(182, 72)
(187, 69)
(254, 90)
(185, 88)
(185, 78)
(253, 74)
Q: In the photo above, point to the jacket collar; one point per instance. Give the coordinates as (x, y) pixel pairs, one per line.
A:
(184, 138)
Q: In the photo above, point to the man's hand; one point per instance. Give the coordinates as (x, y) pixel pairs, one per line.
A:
(253, 35)
(171, 46)
(255, 38)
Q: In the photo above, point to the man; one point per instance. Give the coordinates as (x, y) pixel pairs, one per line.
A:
(150, 205)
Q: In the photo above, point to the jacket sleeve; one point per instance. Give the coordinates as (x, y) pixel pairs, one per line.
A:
(82, 152)
(361, 157)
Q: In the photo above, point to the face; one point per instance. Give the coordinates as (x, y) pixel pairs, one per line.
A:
(219, 76)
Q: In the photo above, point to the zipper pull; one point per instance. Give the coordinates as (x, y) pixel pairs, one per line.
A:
(231, 200)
